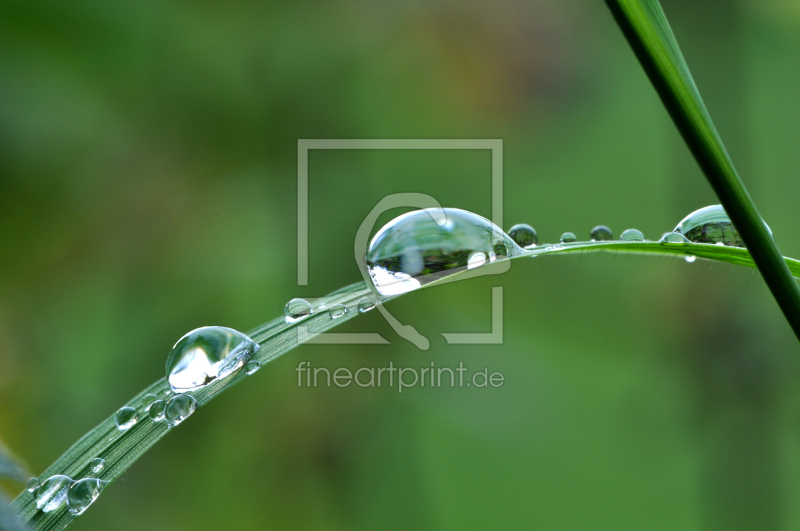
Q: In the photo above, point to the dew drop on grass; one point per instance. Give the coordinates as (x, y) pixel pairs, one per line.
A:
(568, 237)
(98, 464)
(32, 484)
(601, 233)
(252, 367)
(205, 355)
(156, 411)
(690, 258)
(427, 245)
(295, 310)
(710, 224)
(337, 310)
(673, 238)
(632, 235)
(366, 304)
(53, 493)
(523, 235)
(125, 418)
(83, 493)
(179, 408)
(147, 400)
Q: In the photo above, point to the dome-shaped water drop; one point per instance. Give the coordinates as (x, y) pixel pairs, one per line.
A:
(568, 237)
(83, 493)
(205, 355)
(601, 233)
(53, 493)
(673, 238)
(710, 224)
(423, 246)
(523, 235)
(632, 235)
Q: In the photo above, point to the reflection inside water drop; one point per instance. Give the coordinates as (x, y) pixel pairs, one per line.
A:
(673, 238)
(125, 418)
(179, 408)
(601, 233)
(523, 235)
(632, 235)
(53, 493)
(710, 224)
(568, 237)
(419, 247)
(295, 310)
(83, 493)
(98, 464)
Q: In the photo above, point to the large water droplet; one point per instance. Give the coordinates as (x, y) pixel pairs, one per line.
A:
(156, 411)
(674, 238)
(601, 233)
(366, 304)
(252, 367)
(295, 310)
(337, 310)
(710, 224)
(125, 418)
(422, 246)
(632, 235)
(83, 493)
(32, 484)
(207, 354)
(98, 464)
(179, 408)
(53, 493)
(523, 235)
(568, 237)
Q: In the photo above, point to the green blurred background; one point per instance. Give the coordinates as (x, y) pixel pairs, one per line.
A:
(148, 187)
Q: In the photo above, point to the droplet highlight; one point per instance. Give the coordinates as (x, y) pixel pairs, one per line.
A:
(710, 224)
(523, 235)
(53, 493)
(83, 493)
(252, 367)
(601, 233)
(337, 310)
(207, 354)
(366, 304)
(690, 258)
(98, 465)
(632, 235)
(568, 237)
(179, 408)
(125, 418)
(423, 246)
(296, 310)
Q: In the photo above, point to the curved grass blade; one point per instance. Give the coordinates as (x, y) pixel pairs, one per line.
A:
(646, 28)
(121, 449)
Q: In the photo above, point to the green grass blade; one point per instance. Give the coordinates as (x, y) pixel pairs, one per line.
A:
(121, 449)
(646, 28)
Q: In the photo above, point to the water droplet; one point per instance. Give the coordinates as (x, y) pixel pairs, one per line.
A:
(690, 258)
(53, 493)
(476, 260)
(83, 493)
(147, 400)
(32, 484)
(720, 244)
(523, 235)
(568, 237)
(366, 304)
(98, 464)
(126, 417)
(179, 408)
(710, 224)
(423, 246)
(337, 310)
(156, 411)
(674, 238)
(295, 310)
(205, 355)
(601, 233)
(252, 367)
(632, 235)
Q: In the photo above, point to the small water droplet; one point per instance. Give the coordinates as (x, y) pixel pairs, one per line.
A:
(156, 411)
(98, 464)
(179, 408)
(366, 304)
(32, 484)
(252, 367)
(690, 258)
(126, 417)
(632, 235)
(337, 310)
(476, 260)
(673, 238)
(568, 237)
(207, 354)
(601, 233)
(295, 310)
(53, 493)
(523, 235)
(427, 245)
(710, 224)
(147, 400)
(83, 493)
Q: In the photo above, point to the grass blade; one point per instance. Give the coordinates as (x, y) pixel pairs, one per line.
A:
(646, 28)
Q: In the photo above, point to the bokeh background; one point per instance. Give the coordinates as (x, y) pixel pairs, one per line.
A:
(148, 187)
